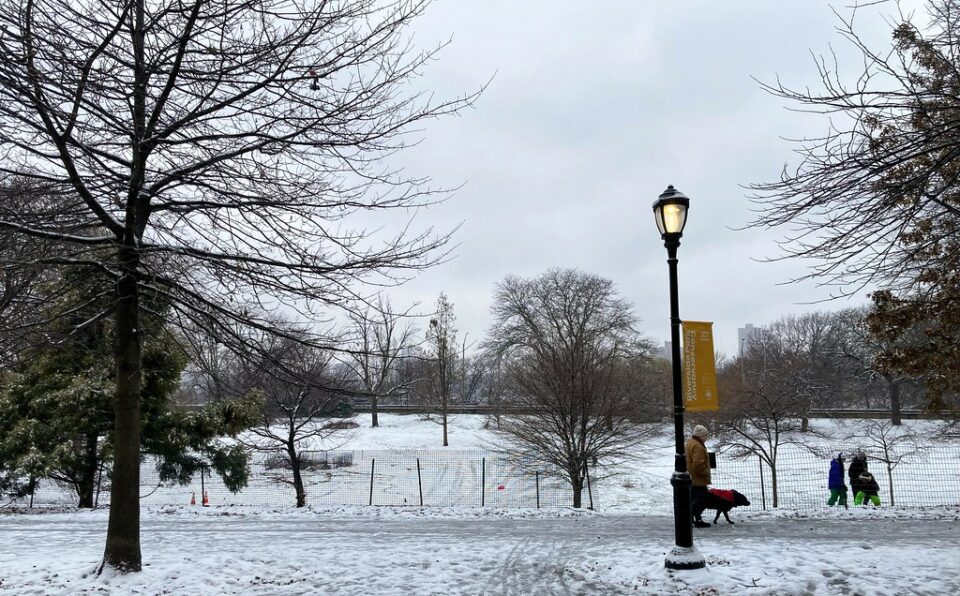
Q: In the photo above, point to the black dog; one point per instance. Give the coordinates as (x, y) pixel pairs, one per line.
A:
(720, 500)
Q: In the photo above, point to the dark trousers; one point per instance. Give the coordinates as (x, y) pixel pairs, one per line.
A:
(698, 495)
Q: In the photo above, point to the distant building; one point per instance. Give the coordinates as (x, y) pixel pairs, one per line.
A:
(665, 351)
(745, 336)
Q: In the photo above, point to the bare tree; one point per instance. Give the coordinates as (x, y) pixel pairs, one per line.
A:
(442, 341)
(567, 340)
(469, 374)
(808, 347)
(413, 374)
(207, 377)
(299, 401)
(379, 342)
(653, 387)
(494, 387)
(858, 344)
(766, 398)
(880, 168)
(221, 149)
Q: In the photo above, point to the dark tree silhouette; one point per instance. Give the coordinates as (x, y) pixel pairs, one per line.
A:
(568, 348)
(442, 364)
(766, 396)
(379, 340)
(298, 386)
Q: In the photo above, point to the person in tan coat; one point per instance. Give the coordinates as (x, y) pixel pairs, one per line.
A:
(698, 465)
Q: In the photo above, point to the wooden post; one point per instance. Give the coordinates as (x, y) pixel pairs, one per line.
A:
(586, 468)
(372, 463)
(419, 482)
(537, 472)
(483, 481)
(763, 491)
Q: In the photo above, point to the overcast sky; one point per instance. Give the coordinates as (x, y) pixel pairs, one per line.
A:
(592, 110)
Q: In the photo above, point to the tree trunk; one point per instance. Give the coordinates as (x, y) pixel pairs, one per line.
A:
(86, 483)
(122, 550)
(893, 388)
(804, 424)
(31, 489)
(85, 488)
(373, 412)
(444, 414)
(773, 485)
(577, 486)
(297, 477)
(890, 481)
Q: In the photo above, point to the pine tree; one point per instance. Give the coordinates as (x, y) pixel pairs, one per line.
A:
(56, 414)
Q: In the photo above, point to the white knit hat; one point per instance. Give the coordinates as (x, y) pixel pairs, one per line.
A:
(700, 431)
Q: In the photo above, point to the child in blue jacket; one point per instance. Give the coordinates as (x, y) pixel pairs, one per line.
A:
(838, 490)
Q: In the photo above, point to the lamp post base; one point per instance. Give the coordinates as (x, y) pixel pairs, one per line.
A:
(683, 558)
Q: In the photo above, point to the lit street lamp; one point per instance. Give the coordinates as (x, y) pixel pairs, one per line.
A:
(670, 211)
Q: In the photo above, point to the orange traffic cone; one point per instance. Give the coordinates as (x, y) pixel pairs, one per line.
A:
(193, 498)
(206, 501)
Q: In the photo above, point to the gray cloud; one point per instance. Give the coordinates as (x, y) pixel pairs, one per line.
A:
(594, 109)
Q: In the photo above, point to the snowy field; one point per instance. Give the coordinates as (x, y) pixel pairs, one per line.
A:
(404, 459)
(617, 549)
(359, 551)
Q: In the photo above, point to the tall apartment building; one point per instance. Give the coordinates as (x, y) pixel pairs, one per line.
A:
(745, 336)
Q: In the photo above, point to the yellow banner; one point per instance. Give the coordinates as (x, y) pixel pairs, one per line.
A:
(699, 369)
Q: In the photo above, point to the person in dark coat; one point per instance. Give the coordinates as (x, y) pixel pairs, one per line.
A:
(838, 490)
(862, 483)
(857, 466)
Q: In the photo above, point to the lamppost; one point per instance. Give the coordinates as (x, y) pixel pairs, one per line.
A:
(670, 211)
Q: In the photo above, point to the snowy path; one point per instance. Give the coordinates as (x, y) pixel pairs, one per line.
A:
(493, 529)
(613, 554)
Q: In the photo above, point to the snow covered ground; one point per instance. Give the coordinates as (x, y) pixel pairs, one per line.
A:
(452, 475)
(617, 549)
(411, 551)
